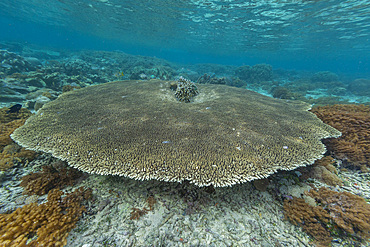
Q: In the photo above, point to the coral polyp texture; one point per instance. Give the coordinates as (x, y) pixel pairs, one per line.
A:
(185, 90)
(139, 129)
(9, 151)
(353, 122)
(47, 224)
(334, 212)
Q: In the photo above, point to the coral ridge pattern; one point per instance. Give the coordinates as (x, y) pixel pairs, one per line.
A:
(139, 129)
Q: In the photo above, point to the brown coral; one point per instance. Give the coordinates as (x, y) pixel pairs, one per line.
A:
(8, 117)
(310, 218)
(40, 183)
(9, 152)
(67, 88)
(349, 212)
(353, 122)
(46, 224)
(6, 129)
(12, 153)
(335, 210)
(324, 171)
(137, 213)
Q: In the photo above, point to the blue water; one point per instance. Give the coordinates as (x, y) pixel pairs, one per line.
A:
(305, 35)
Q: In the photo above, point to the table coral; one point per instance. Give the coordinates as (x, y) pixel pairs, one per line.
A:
(353, 122)
(46, 224)
(224, 136)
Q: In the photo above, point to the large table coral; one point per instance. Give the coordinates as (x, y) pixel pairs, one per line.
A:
(139, 129)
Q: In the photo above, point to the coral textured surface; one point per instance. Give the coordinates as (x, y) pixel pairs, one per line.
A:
(46, 224)
(354, 123)
(40, 183)
(9, 151)
(225, 136)
(334, 212)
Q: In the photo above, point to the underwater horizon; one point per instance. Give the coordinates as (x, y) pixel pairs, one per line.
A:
(296, 35)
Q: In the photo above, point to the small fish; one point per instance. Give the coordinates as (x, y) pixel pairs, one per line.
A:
(119, 74)
(14, 109)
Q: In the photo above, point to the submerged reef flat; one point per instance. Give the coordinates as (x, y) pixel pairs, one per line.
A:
(127, 212)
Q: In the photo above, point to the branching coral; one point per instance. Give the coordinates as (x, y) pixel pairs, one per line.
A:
(6, 129)
(46, 224)
(335, 211)
(185, 90)
(41, 183)
(324, 171)
(9, 152)
(8, 117)
(208, 79)
(12, 153)
(310, 218)
(137, 213)
(353, 122)
(349, 212)
(254, 74)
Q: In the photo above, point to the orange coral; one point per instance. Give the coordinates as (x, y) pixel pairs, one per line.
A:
(14, 152)
(353, 122)
(46, 224)
(6, 129)
(8, 117)
(8, 150)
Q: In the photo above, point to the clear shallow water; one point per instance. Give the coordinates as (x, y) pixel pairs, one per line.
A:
(293, 35)
(317, 35)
